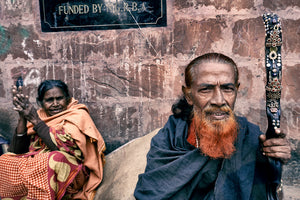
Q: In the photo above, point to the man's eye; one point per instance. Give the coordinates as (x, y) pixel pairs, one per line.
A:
(228, 89)
(204, 90)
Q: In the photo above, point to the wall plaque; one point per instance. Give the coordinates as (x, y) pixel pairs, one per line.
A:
(75, 15)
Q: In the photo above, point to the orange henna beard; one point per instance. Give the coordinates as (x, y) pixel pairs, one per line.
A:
(216, 137)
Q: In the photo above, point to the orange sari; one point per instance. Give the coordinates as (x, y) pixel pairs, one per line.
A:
(80, 146)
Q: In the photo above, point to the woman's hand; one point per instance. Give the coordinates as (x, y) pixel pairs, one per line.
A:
(26, 110)
(276, 147)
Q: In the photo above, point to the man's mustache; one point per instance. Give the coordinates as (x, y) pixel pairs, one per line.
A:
(215, 109)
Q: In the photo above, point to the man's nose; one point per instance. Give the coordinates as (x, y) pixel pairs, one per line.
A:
(218, 98)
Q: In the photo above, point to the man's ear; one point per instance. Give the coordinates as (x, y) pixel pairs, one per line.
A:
(187, 95)
(237, 86)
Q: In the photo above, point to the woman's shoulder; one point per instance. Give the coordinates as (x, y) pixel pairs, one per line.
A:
(78, 114)
(79, 109)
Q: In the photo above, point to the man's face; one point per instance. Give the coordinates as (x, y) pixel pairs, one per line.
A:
(212, 94)
(213, 86)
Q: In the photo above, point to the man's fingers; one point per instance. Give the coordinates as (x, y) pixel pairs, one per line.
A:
(262, 138)
(276, 142)
(279, 133)
(277, 155)
(284, 157)
(277, 149)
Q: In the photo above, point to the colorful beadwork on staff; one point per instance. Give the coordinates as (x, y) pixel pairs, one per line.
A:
(273, 42)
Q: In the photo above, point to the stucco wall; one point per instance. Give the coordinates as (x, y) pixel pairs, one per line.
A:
(129, 78)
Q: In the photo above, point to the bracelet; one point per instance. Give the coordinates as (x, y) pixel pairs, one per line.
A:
(21, 135)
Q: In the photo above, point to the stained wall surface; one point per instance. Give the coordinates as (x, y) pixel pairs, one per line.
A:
(129, 78)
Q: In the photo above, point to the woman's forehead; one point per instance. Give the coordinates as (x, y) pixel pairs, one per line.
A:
(55, 91)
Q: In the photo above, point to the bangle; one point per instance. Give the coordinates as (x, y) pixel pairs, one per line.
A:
(21, 135)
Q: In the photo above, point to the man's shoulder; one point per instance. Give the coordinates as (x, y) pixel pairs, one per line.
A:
(245, 124)
(174, 123)
(173, 126)
(174, 119)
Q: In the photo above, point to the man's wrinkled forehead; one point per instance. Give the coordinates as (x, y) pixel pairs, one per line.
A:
(211, 66)
(213, 71)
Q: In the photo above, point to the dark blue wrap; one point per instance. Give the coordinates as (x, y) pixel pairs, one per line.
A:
(177, 170)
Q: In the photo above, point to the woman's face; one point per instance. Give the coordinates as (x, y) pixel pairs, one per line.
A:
(54, 101)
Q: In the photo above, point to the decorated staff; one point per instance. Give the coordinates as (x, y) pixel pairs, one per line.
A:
(273, 42)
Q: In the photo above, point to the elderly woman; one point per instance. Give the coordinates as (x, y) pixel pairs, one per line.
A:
(56, 152)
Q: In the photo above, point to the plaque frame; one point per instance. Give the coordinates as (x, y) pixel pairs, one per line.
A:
(51, 22)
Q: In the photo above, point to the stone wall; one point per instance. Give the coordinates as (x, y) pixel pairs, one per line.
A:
(129, 78)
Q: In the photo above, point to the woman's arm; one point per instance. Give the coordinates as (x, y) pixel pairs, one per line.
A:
(27, 112)
(19, 143)
(43, 131)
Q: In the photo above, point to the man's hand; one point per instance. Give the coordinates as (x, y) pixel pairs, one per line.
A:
(276, 147)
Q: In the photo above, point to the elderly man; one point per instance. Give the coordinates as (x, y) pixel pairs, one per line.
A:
(206, 152)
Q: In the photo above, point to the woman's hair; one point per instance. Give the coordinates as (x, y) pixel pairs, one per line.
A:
(181, 108)
(48, 85)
